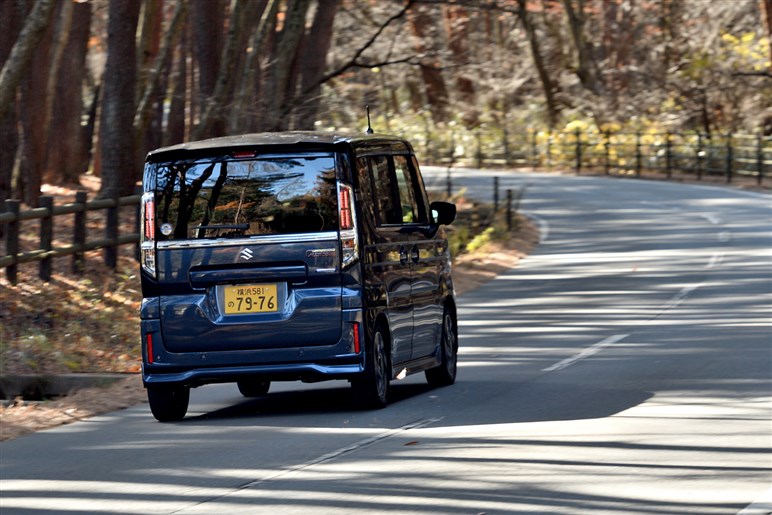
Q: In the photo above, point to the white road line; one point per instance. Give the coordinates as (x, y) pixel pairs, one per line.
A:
(715, 260)
(345, 450)
(761, 506)
(586, 353)
(544, 227)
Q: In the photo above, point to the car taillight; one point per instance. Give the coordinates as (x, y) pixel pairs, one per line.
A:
(349, 239)
(147, 237)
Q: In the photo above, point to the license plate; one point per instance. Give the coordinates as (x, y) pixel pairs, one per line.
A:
(250, 298)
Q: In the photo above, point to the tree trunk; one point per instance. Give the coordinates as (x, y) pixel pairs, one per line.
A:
(66, 141)
(175, 127)
(250, 89)
(434, 83)
(767, 10)
(314, 62)
(278, 75)
(587, 68)
(213, 118)
(119, 169)
(150, 74)
(147, 127)
(207, 21)
(457, 30)
(546, 82)
(10, 25)
(35, 116)
(18, 60)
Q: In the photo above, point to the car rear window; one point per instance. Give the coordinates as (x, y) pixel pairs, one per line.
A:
(230, 198)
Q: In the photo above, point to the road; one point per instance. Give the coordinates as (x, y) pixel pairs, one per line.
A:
(624, 367)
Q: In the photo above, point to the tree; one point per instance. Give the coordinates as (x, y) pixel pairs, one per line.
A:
(67, 141)
(544, 76)
(35, 114)
(10, 24)
(119, 168)
(314, 59)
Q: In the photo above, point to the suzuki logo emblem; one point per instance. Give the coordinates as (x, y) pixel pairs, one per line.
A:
(246, 254)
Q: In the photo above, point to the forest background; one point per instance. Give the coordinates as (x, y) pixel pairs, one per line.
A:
(90, 86)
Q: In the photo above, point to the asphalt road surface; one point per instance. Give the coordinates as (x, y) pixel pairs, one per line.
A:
(624, 367)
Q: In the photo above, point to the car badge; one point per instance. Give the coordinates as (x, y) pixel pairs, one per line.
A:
(246, 254)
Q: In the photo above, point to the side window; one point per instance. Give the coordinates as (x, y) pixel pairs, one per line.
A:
(386, 192)
(365, 188)
(407, 199)
(421, 197)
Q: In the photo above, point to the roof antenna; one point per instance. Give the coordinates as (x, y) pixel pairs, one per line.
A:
(369, 127)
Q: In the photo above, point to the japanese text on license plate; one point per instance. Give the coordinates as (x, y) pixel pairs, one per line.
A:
(251, 298)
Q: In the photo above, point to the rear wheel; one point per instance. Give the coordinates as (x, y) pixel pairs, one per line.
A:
(168, 403)
(445, 374)
(372, 390)
(253, 388)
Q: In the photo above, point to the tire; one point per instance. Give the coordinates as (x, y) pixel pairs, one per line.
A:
(372, 390)
(253, 388)
(445, 374)
(168, 403)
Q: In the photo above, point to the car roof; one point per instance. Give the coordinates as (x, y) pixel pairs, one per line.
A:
(288, 139)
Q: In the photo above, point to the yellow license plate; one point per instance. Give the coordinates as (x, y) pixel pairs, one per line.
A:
(250, 298)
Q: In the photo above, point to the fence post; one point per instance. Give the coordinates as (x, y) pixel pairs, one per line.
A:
(549, 150)
(759, 159)
(578, 151)
(700, 156)
(668, 156)
(505, 145)
(534, 149)
(479, 152)
(46, 236)
(79, 233)
(111, 233)
(729, 157)
(509, 209)
(12, 239)
(495, 194)
(638, 154)
(607, 146)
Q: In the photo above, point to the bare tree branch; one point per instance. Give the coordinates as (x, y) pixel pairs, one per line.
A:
(354, 61)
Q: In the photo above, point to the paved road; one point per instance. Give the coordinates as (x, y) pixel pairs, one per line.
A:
(624, 367)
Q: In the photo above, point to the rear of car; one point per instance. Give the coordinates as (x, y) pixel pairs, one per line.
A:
(248, 252)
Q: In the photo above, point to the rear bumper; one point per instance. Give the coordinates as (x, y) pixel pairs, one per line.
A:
(307, 372)
(304, 363)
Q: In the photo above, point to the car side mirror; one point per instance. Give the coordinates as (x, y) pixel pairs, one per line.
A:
(443, 213)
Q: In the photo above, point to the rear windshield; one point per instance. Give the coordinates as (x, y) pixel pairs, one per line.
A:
(238, 198)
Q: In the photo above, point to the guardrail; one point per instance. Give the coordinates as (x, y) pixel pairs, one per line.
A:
(13, 216)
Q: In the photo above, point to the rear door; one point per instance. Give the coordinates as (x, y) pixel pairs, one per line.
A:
(248, 252)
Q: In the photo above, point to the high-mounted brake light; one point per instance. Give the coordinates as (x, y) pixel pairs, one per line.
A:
(349, 239)
(241, 154)
(147, 238)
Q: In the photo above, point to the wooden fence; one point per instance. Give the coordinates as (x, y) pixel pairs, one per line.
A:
(726, 157)
(12, 218)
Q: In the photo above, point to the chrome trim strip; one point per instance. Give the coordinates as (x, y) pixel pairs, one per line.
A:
(254, 240)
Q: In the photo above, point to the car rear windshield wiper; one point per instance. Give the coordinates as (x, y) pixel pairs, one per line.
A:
(236, 228)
